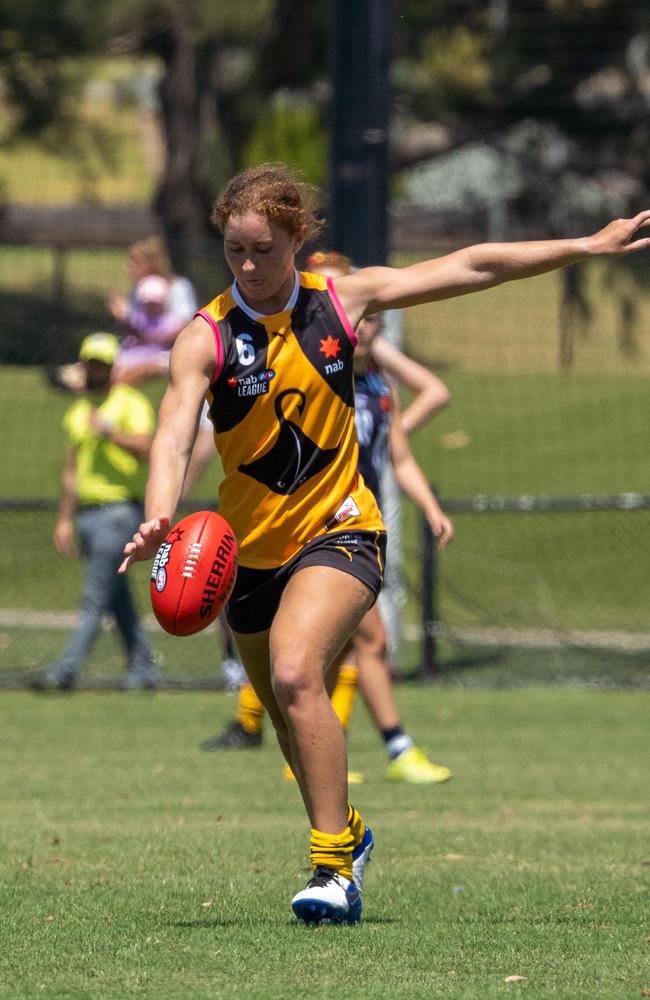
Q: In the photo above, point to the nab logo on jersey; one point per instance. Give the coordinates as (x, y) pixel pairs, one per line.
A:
(330, 347)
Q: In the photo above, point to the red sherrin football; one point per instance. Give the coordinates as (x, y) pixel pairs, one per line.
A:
(193, 573)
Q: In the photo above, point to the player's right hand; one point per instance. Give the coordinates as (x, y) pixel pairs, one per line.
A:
(145, 543)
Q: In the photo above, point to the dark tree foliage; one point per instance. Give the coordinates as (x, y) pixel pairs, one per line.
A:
(578, 69)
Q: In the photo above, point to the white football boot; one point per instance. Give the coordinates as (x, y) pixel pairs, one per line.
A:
(361, 857)
(328, 898)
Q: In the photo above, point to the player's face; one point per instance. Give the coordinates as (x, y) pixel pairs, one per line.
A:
(367, 330)
(261, 255)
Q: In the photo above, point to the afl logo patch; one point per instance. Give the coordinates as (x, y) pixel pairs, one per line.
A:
(161, 579)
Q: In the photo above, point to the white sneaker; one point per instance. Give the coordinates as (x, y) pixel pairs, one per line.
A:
(328, 898)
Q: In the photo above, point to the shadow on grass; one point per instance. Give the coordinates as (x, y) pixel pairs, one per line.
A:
(518, 666)
(213, 922)
(466, 661)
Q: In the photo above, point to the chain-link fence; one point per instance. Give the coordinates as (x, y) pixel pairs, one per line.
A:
(525, 587)
(537, 588)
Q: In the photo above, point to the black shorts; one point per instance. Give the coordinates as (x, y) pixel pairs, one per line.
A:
(256, 597)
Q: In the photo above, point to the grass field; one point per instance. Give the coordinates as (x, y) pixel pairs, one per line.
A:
(133, 865)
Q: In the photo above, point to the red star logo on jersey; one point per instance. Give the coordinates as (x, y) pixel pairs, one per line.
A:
(330, 347)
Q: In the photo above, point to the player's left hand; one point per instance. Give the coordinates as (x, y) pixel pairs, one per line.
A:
(616, 239)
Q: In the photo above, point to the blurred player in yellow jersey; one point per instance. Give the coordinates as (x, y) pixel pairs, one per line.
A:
(109, 430)
(273, 356)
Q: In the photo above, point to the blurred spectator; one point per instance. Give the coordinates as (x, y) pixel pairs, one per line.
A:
(149, 257)
(109, 431)
(159, 306)
(152, 329)
(144, 318)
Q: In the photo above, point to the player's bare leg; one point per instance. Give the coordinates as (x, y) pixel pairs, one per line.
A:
(371, 649)
(319, 610)
(254, 651)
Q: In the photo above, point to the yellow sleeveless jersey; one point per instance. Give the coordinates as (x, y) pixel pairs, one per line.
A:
(282, 405)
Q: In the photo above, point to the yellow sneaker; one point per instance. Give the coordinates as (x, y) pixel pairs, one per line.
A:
(413, 766)
(354, 777)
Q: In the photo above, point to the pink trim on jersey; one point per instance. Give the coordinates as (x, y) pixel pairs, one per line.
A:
(218, 365)
(340, 312)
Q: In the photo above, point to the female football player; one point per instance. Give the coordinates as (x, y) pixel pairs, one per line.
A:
(273, 356)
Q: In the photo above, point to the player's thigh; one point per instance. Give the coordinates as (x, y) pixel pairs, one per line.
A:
(319, 611)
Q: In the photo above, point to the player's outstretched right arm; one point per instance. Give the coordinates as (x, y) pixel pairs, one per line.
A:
(190, 372)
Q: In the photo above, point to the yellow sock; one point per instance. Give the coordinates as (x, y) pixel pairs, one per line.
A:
(344, 692)
(335, 849)
(250, 710)
(355, 825)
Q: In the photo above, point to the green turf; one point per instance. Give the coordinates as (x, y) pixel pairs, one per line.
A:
(539, 434)
(133, 865)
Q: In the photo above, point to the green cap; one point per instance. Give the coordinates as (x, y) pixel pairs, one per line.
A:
(99, 347)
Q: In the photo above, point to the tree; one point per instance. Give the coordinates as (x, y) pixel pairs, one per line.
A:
(463, 72)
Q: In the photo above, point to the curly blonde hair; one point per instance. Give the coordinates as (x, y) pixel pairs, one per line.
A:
(275, 191)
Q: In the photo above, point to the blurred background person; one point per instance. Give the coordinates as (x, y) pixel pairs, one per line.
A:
(144, 351)
(149, 257)
(382, 442)
(160, 304)
(147, 320)
(109, 431)
(429, 395)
